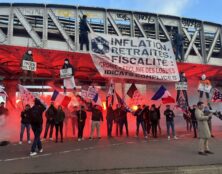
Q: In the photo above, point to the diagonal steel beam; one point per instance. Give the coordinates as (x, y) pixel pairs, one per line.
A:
(3, 37)
(213, 44)
(164, 28)
(139, 26)
(110, 18)
(60, 28)
(192, 44)
(35, 37)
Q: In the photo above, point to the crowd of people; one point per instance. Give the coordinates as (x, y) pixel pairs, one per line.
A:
(148, 118)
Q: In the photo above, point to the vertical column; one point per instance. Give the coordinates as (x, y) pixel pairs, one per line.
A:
(11, 88)
(203, 45)
(157, 28)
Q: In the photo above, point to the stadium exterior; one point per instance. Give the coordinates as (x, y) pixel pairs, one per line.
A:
(52, 32)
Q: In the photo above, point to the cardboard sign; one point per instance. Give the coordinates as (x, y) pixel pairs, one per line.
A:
(66, 73)
(29, 65)
(204, 88)
(181, 86)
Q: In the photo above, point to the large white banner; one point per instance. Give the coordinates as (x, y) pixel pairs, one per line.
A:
(133, 58)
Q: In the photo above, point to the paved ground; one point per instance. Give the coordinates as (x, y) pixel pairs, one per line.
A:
(105, 154)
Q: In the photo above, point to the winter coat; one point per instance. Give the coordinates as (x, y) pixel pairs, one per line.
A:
(36, 115)
(60, 116)
(169, 115)
(203, 128)
(51, 113)
(110, 114)
(96, 115)
(26, 116)
(139, 115)
(84, 29)
(81, 116)
(154, 116)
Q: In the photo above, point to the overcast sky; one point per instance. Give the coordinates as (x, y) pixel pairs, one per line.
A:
(208, 10)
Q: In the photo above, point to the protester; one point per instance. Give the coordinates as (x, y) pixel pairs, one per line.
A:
(84, 30)
(203, 129)
(96, 118)
(170, 121)
(109, 119)
(183, 80)
(69, 82)
(159, 117)
(140, 121)
(179, 43)
(25, 123)
(26, 73)
(36, 123)
(193, 120)
(81, 119)
(59, 119)
(50, 121)
(74, 120)
(117, 115)
(123, 120)
(154, 118)
(146, 117)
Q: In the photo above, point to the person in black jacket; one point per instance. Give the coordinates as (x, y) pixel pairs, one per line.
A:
(81, 118)
(28, 57)
(97, 116)
(194, 120)
(184, 80)
(69, 82)
(154, 118)
(109, 119)
(117, 117)
(36, 123)
(170, 121)
(140, 120)
(83, 34)
(59, 118)
(123, 120)
(50, 120)
(25, 123)
(146, 117)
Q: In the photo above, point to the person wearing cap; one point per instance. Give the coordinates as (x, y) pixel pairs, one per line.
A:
(28, 57)
(170, 121)
(69, 82)
(140, 121)
(97, 116)
(81, 119)
(83, 34)
(203, 129)
(36, 123)
(25, 123)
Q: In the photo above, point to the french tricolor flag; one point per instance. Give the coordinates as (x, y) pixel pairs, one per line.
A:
(164, 95)
(60, 99)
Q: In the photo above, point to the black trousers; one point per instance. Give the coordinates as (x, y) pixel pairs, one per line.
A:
(154, 128)
(83, 38)
(122, 123)
(194, 123)
(81, 125)
(59, 128)
(109, 128)
(50, 124)
(147, 126)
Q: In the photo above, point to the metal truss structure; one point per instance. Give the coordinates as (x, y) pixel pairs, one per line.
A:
(56, 27)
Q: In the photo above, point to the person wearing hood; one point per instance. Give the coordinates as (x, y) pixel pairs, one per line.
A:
(26, 73)
(36, 123)
(69, 82)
